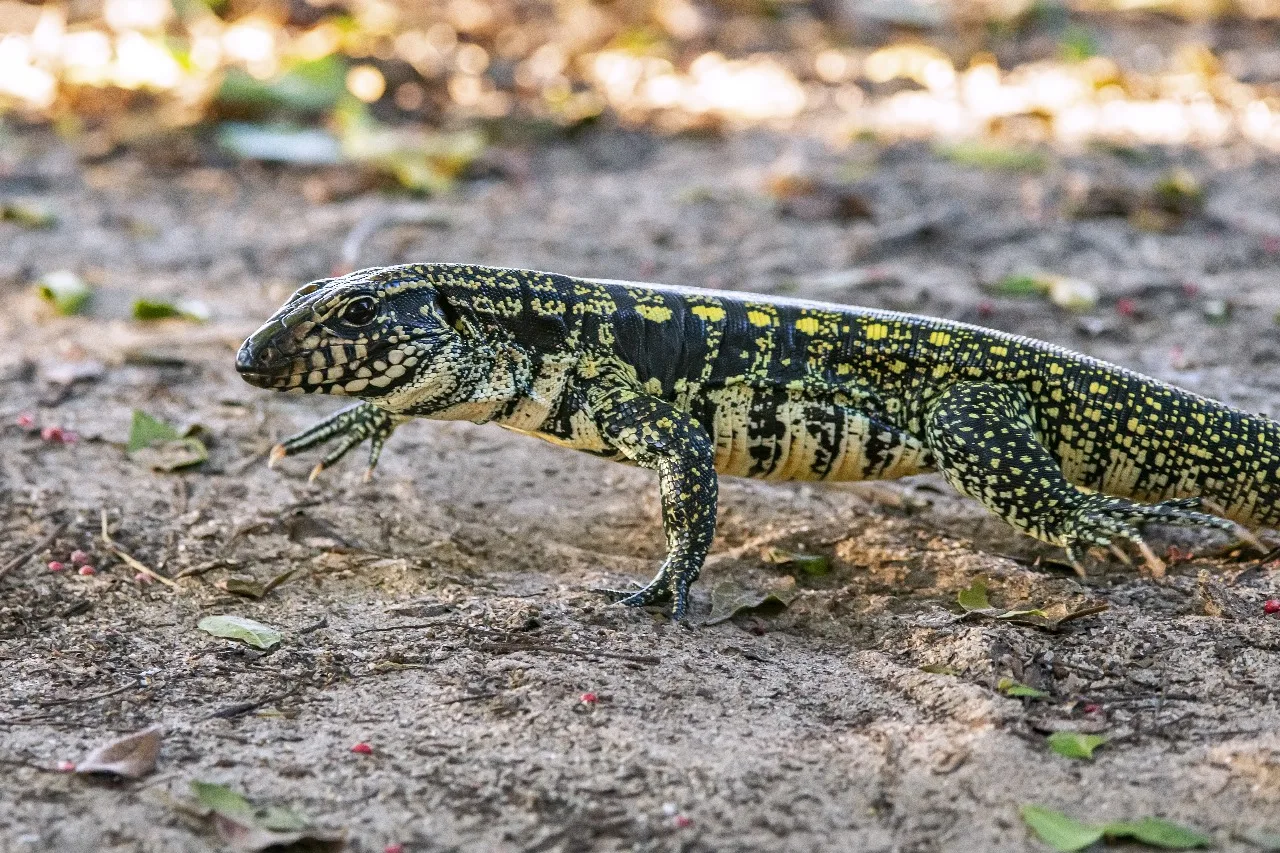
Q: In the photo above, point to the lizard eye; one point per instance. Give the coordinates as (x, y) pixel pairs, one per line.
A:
(360, 312)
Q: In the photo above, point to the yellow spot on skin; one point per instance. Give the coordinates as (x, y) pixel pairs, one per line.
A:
(759, 318)
(655, 313)
(1056, 369)
(877, 331)
(999, 350)
(710, 313)
(807, 325)
(940, 338)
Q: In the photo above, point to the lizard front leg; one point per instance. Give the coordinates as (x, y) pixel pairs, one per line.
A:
(353, 425)
(654, 434)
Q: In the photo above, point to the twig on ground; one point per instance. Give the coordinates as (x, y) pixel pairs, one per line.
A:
(33, 550)
(133, 563)
(245, 707)
(385, 218)
(78, 700)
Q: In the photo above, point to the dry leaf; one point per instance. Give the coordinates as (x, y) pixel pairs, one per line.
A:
(130, 757)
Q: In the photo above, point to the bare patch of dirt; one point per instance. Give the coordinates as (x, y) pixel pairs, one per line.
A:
(442, 613)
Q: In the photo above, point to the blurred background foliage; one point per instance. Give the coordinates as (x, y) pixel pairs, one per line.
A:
(414, 94)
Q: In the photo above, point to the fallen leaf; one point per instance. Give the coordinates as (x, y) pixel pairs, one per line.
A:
(248, 631)
(65, 290)
(27, 215)
(1060, 832)
(251, 829)
(810, 564)
(729, 598)
(974, 597)
(987, 156)
(130, 757)
(182, 309)
(1067, 834)
(160, 446)
(1009, 687)
(313, 532)
(1158, 832)
(1075, 744)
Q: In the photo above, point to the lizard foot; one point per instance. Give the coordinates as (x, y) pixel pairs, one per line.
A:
(667, 586)
(354, 424)
(1102, 520)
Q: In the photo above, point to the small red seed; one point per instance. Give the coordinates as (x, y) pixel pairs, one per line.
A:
(26, 420)
(1126, 307)
(393, 848)
(55, 566)
(66, 766)
(589, 698)
(682, 821)
(142, 578)
(362, 748)
(79, 558)
(1272, 606)
(88, 570)
(1092, 708)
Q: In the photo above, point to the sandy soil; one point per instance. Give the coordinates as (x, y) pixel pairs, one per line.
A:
(442, 613)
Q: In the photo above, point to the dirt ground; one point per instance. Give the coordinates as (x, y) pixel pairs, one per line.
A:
(443, 614)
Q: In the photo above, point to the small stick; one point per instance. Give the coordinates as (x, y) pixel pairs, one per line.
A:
(94, 698)
(133, 563)
(33, 550)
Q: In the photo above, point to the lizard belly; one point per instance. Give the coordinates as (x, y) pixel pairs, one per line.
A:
(782, 435)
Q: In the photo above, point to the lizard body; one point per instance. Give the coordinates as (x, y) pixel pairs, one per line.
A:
(691, 383)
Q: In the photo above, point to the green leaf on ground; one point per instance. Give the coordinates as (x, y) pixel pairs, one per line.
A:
(1009, 687)
(220, 799)
(160, 446)
(1158, 832)
(308, 87)
(184, 309)
(1060, 832)
(1075, 744)
(987, 156)
(146, 431)
(1019, 285)
(974, 597)
(729, 598)
(239, 628)
(65, 291)
(27, 215)
(1067, 834)
(810, 564)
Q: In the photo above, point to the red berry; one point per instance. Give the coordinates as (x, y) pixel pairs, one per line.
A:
(1272, 606)
(1127, 307)
(88, 570)
(55, 566)
(682, 821)
(589, 698)
(362, 748)
(1092, 708)
(79, 558)
(66, 766)
(393, 848)
(26, 420)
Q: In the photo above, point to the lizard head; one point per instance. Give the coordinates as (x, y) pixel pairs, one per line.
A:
(369, 334)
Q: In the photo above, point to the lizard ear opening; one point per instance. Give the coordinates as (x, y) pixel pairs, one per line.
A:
(451, 315)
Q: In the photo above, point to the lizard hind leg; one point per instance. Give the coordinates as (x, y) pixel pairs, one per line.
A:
(987, 447)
